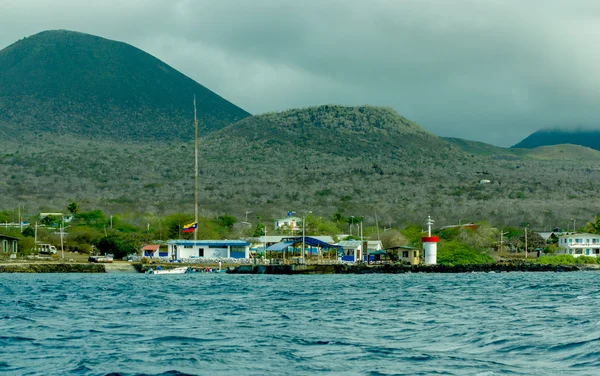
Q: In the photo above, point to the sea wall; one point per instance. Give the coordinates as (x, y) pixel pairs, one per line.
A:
(397, 269)
(52, 268)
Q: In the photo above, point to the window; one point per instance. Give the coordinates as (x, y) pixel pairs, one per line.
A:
(201, 252)
(14, 246)
(188, 246)
(5, 246)
(570, 240)
(405, 254)
(578, 241)
(587, 251)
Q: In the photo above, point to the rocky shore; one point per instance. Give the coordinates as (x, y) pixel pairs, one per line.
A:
(52, 268)
(397, 268)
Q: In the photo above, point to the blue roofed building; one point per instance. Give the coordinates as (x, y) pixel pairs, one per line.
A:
(209, 249)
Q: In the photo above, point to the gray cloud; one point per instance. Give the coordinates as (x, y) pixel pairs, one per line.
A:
(488, 70)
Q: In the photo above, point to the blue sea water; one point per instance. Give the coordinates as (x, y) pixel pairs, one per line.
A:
(218, 324)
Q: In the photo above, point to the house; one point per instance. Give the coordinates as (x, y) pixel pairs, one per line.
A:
(8, 243)
(353, 250)
(210, 249)
(406, 254)
(153, 250)
(579, 244)
(288, 223)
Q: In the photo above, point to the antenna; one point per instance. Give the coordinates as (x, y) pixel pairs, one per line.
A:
(196, 173)
(429, 223)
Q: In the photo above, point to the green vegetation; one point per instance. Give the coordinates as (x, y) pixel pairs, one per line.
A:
(456, 253)
(566, 260)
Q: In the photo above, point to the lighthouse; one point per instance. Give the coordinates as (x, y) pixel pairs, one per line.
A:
(430, 245)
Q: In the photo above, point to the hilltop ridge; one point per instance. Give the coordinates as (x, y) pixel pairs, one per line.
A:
(68, 82)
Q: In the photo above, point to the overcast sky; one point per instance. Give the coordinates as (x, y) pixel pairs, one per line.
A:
(484, 70)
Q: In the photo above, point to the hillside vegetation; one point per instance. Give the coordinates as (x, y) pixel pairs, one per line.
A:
(363, 161)
(63, 82)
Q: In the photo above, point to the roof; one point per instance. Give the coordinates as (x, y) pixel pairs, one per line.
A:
(8, 237)
(151, 247)
(278, 238)
(308, 241)
(402, 247)
(288, 219)
(279, 246)
(578, 235)
(349, 243)
(214, 243)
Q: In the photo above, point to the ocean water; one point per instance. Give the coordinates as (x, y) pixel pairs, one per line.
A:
(218, 324)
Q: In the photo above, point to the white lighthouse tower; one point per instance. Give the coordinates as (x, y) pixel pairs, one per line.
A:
(430, 245)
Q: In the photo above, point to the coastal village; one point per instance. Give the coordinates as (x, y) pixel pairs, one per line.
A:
(293, 245)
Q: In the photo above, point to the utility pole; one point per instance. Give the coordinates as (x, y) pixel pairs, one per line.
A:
(62, 246)
(502, 242)
(526, 241)
(196, 173)
(304, 235)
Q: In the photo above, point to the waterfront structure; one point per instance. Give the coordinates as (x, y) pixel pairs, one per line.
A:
(407, 254)
(579, 244)
(210, 249)
(353, 250)
(8, 243)
(152, 250)
(274, 239)
(430, 245)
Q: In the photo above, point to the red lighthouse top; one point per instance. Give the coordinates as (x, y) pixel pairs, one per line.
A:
(430, 239)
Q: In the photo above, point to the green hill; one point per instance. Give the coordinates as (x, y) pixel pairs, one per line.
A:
(64, 82)
(362, 161)
(548, 137)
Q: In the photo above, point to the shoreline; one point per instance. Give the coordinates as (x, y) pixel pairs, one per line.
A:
(293, 269)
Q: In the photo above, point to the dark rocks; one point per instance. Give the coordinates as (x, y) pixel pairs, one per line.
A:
(398, 268)
(52, 268)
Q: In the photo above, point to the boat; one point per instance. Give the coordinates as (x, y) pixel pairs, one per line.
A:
(180, 270)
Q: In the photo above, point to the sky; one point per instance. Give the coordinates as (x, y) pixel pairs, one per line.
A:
(485, 70)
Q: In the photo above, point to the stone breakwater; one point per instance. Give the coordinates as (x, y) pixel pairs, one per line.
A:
(52, 268)
(397, 269)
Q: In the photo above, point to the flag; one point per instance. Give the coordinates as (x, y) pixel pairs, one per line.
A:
(190, 227)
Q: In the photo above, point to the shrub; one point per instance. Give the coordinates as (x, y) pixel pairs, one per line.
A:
(455, 253)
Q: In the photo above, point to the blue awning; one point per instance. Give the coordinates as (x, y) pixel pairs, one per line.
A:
(279, 246)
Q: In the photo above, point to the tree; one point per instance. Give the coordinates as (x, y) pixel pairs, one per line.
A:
(28, 232)
(259, 230)
(593, 227)
(119, 245)
(393, 238)
(227, 221)
(73, 208)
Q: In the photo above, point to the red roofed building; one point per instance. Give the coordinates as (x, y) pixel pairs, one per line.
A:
(150, 250)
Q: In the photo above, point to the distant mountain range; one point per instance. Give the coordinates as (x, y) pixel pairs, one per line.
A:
(104, 124)
(64, 82)
(547, 137)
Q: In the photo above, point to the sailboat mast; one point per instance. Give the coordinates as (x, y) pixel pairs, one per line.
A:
(196, 174)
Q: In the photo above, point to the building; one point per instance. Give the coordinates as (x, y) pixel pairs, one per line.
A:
(210, 249)
(8, 243)
(270, 240)
(579, 244)
(153, 250)
(288, 223)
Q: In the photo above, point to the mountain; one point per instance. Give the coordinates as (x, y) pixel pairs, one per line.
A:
(547, 137)
(64, 82)
(362, 161)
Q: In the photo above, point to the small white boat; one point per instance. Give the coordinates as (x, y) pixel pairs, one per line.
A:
(181, 270)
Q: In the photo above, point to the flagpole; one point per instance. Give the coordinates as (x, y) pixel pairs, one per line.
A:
(196, 175)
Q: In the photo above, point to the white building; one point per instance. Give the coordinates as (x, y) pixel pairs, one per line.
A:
(210, 249)
(579, 244)
(288, 223)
